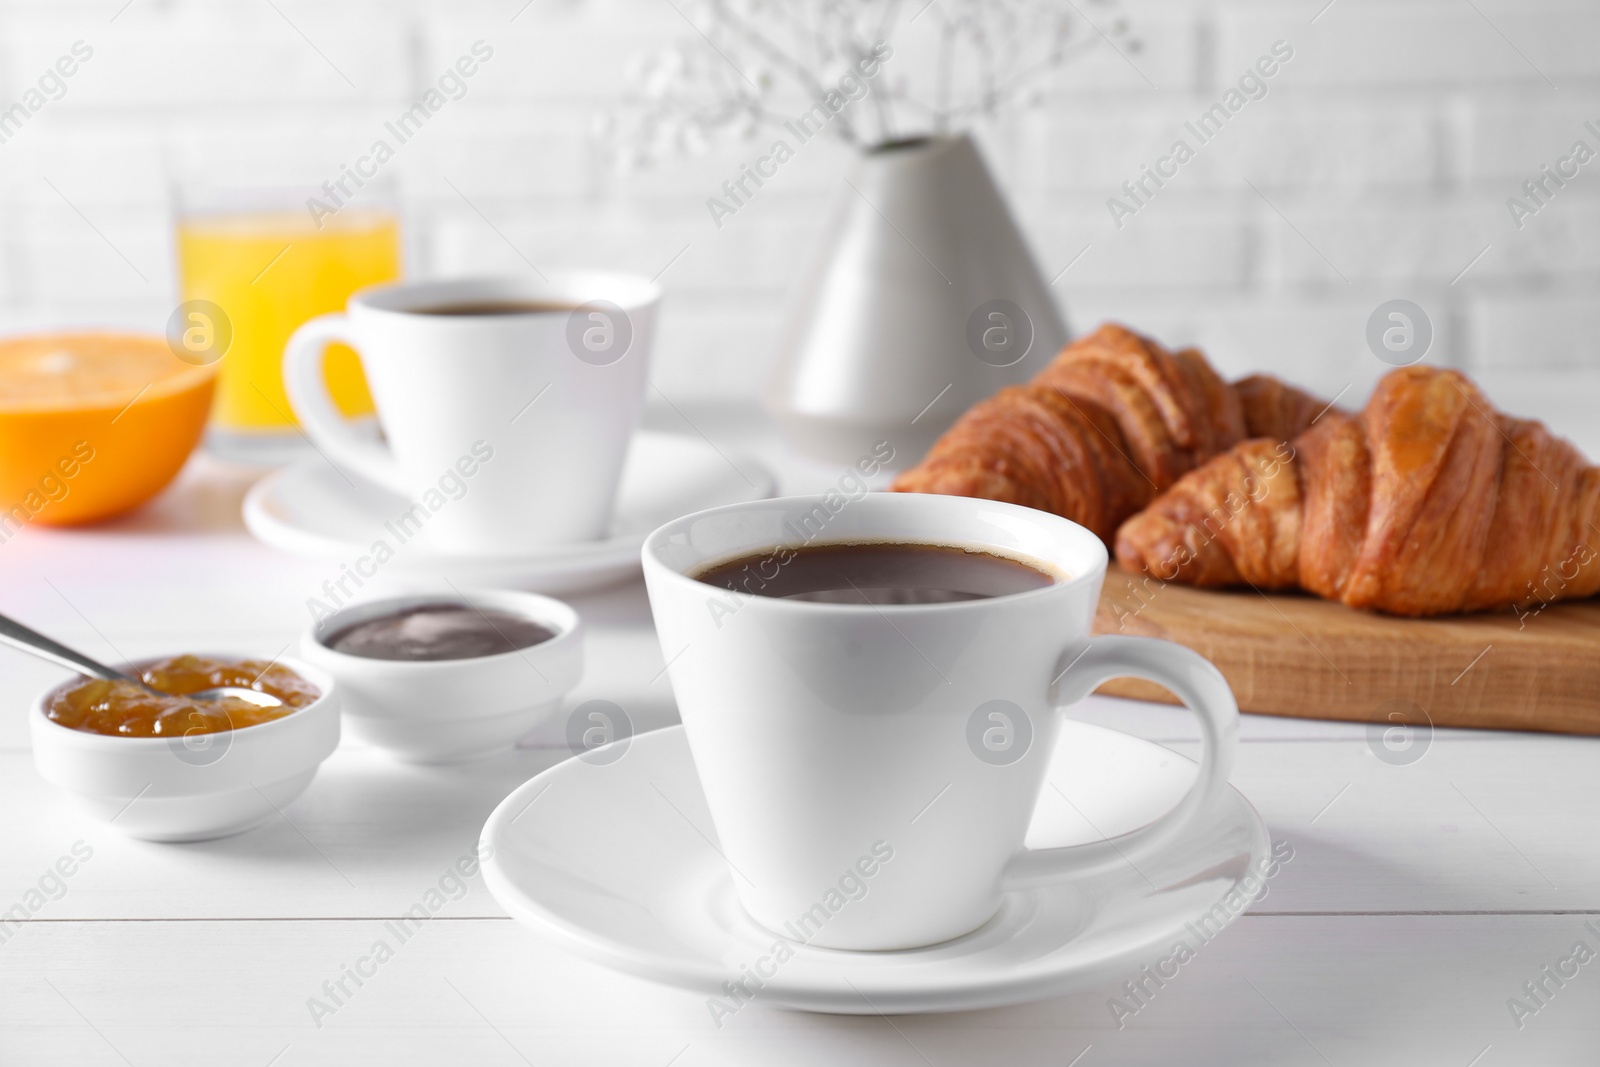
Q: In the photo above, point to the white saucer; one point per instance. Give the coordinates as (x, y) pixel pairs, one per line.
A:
(311, 509)
(615, 861)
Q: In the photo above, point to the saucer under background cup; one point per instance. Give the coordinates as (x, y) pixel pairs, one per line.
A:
(311, 509)
(616, 859)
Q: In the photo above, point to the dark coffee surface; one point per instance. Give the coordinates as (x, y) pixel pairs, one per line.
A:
(877, 573)
(498, 307)
(439, 631)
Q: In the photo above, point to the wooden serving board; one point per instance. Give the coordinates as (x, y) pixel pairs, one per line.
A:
(1296, 655)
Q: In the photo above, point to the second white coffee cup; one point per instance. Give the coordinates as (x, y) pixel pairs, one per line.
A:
(871, 770)
(507, 404)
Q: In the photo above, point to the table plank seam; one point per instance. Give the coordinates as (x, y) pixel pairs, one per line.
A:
(1430, 914)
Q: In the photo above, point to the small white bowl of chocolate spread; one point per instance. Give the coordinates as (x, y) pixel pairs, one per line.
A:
(452, 677)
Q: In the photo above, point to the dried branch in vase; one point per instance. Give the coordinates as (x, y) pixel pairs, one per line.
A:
(883, 70)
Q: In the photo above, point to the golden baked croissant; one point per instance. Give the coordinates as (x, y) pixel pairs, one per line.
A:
(1034, 445)
(1273, 409)
(1172, 408)
(1428, 502)
(1111, 422)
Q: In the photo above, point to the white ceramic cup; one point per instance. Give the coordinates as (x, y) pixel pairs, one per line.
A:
(871, 771)
(511, 429)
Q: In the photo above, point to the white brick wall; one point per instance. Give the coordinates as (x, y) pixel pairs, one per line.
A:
(1389, 144)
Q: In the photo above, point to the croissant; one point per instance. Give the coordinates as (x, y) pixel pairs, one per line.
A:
(1111, 422)
(1429, 502)
(1172, 408)
(1273, 409)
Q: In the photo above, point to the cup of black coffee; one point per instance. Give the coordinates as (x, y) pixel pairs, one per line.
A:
(882, 676)
(880, 573)
(507, 404)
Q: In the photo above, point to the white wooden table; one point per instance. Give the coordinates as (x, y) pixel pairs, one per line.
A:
(1420, 898)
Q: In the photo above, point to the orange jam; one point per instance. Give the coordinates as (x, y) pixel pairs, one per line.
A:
(123, 709)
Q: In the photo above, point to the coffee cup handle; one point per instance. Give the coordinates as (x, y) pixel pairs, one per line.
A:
(319, 417)
(1202, 689)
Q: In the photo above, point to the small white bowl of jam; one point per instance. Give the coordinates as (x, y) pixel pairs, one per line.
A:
(171, 769)
(449, 678)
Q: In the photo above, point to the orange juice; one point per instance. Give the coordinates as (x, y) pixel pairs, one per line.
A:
(270, 271)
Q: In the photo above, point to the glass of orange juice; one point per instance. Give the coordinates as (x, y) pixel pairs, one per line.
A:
(264, 261)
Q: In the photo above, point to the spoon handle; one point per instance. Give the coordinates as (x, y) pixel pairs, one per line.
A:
(15, 634)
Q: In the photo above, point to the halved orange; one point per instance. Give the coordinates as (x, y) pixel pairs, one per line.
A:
(93, 424)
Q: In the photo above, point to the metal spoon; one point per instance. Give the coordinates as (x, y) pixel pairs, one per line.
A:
(16, 635)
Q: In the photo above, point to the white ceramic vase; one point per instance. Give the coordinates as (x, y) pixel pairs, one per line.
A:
(923, 299)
